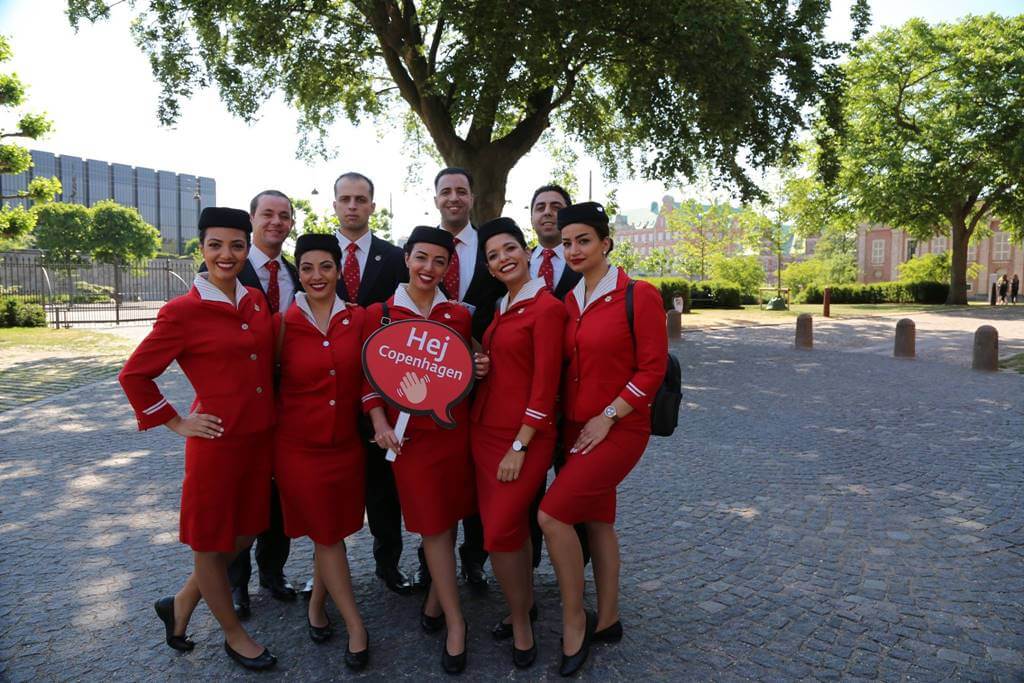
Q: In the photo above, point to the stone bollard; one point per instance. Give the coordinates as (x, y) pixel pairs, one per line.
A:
(986, 349)
(674, 321)
(826, 302)
(906, 338)
(804, 331)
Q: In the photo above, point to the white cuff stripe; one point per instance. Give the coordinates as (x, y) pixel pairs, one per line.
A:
(636, 392)
(370, 397)
(155, 407)
(535, 414)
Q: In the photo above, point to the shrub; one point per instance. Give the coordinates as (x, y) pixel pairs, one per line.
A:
(88, 293)
(715, 294)
(879, 293)
(671, 288)
(14, 313)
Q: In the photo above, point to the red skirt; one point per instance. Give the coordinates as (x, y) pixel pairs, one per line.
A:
(584, 489)
(226, 490)
(505, 506)
(323, 488)
(434, 477)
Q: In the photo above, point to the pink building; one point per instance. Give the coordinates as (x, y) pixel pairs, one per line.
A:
(881, 249)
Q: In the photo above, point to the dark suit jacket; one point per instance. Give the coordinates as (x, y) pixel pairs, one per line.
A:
(385, 269)
(483, 293)
(249, 278)
(565, 283)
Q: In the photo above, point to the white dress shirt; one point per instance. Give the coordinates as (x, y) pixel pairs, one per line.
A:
(557, 262)
(209, 292)
(285, 287)
(362, 250)
(466, 249)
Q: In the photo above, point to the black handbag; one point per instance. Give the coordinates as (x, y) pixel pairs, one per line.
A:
(665, 406)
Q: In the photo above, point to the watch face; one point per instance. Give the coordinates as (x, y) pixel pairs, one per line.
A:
(517, 445)
(610, 411)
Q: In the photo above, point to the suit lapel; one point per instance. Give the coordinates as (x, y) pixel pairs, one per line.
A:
(249, 278)
(293, 273)
(566, 282)
(374, 260)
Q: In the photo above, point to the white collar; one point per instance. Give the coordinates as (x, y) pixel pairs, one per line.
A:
(337, 307)
(209, 292)
(558, 249)
(363, 243)
(259, 259)
(607, 284)
(403, 299)
(467, 236)
(527, 292)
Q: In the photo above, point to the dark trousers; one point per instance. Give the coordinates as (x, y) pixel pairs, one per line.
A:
(383, 511)
(272, 548)
(471, 549)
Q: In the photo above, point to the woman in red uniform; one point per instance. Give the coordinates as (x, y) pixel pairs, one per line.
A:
(433, 471)
(319, 462)
(612, 376)
(513, 430)
(220, 334)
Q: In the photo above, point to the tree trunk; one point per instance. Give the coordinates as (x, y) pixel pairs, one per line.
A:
(958, 263)
(490, 176)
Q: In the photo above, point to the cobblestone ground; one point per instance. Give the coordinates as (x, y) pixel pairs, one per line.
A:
(820, 515)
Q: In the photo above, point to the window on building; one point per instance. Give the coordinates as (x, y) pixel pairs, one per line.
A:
(972, 253)
(1001, 246)
(940, 245)
(877, 251)
(911, 249)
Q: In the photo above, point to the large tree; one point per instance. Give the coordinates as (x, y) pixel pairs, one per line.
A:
(662, 88)
(932, 133)
(120, 235)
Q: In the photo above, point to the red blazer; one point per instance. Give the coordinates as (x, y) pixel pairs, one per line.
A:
(321, 378)
(602, 363)
(455, 316)
(526, 365)
(226, 353)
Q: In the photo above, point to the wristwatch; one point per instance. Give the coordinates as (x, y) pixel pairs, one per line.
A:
(611, 413)
(518, 446)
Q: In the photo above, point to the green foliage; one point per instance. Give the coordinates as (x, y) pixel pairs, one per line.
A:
(625, 256)
(661, 261)
(715, 294)
(320, 224)
(880, 293)
(14, 313)
(15, 222)
(745, 271)
(798, 275)
(15, 158)
(43, 190)
(380, 224)
(63, 231)
(932, 268)
(664, 88)
(704, 231)
(120, 235)
(671, 288)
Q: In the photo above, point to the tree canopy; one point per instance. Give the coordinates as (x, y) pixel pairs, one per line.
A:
(120, 235)
(932, 131)
(662, 89)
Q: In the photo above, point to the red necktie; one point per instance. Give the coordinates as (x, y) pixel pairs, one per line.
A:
(546, 270)
(351, 272)
(273, 289)
(451, 278)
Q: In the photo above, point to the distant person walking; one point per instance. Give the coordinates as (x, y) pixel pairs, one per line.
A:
(1014, 289)
(1004, 285)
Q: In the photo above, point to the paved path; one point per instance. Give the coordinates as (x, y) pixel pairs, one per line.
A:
(820, 515)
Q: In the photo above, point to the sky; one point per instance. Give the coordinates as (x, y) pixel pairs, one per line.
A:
(98, 89)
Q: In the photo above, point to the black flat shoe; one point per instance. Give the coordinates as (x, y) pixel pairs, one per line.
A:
(357, 661)
(240, 601)
(428, 623)
(264, 661)
(503, 631)
(279, 587)
(454, 664)
(609, 634)
(524, 659)
(165, 610)
(572, 663)
(395, 579)
(307, 590)
(319, 634)
(474, 576)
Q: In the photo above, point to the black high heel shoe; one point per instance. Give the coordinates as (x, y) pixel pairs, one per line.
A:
(261, 662)
(454, 664)
(357, 661)
(428, 623)
(319, 634)
(572, 663)
(609, 634)
(524, 659)
(503, 631)
(165, 610)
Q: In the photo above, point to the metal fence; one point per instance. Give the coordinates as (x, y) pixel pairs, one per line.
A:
(94, 293)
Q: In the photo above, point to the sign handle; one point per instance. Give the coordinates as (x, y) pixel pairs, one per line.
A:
(400, 425)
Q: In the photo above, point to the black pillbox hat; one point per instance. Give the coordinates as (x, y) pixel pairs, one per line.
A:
(317, 242)
(587, 213)
(223, 217)
(438, 236)
(499, 226)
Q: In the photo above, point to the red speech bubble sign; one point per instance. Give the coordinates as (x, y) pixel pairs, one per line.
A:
(420, 367)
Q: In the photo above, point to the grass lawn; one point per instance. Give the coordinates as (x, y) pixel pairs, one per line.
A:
(1013, 363)
(753, 315)
(43, 339)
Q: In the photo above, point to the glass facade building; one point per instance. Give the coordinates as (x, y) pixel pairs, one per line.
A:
(169, 201)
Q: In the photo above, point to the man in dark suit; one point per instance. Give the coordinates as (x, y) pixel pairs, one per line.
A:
(468, 281)
(272, 218)
(371, 270)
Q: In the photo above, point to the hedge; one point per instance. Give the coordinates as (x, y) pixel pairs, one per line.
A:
(715, 294)
(14, 313)
(671, 288)
(879, 293)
